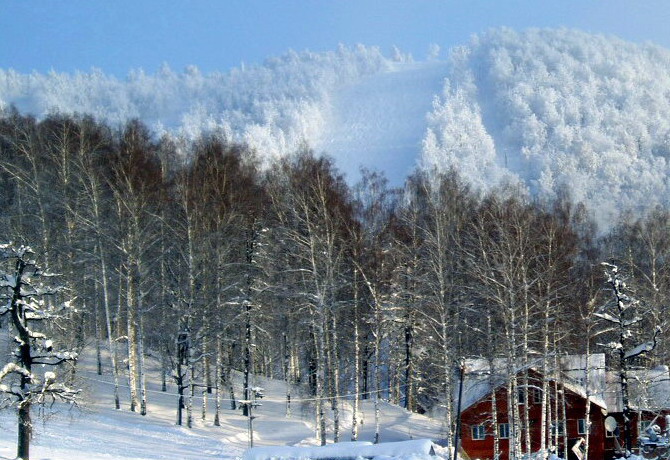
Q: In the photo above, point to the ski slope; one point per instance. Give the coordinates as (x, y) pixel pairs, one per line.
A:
(380, 122)
(96, 431)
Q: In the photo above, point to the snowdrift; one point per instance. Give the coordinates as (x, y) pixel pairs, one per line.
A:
(418, 449)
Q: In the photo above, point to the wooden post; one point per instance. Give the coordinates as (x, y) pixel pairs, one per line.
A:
(458, 409)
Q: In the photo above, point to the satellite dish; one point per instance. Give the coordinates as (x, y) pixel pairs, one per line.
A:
(611, 424)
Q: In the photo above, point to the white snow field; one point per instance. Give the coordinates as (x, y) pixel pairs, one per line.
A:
(96, 431)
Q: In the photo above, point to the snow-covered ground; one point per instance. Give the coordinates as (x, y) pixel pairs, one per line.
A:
(97, 431)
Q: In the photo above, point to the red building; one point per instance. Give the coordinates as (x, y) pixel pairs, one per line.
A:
(483, 424)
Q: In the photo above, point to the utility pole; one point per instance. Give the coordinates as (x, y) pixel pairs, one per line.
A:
(458, 409)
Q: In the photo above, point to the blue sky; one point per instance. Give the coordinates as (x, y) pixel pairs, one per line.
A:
(119, 35)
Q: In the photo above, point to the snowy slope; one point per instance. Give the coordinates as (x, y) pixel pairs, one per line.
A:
(98, 432)
(380, 121)
(549, 109)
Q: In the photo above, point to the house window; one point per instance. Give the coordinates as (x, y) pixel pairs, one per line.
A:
(581, 426)
(560, 426)
(478, 432)
(503, 430)
(537, 396)
(521, 395)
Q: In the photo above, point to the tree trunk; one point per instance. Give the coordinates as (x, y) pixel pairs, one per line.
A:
(526, 413)
(229, 380)
(494, 400)
(335, 377)
(357, 366)
(180, 399)
(182, 364)
(555, 417)
(365, 372)
(248, 358)
(218, 381)
(131, 323)
(409, 389)
(287, 372)
(141, 368)
(545, 385)
(165, 370)
(24, 430)
(515, 424)
(377, 372)
(320, 380)
(564, 422)
(205, 364)
(494, 412)
(98, 339)
(587, 385)
(447, 371)
(191, 393)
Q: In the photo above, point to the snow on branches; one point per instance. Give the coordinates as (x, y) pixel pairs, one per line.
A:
(624, 312)
(31, 304)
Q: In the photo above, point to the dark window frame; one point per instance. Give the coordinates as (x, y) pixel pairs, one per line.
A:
(478, 432)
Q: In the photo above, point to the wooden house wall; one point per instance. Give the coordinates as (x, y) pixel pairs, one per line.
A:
(481, 414)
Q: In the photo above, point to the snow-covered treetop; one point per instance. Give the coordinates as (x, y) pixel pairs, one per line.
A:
(9, 250)
(274, 106)
(557, 108)
(546, 108)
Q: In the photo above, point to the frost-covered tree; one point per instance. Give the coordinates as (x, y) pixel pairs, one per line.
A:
(642, 250)
(439, 219)
(30, 303)
(272, 106)
(374, 263)
(555, 108)
(520, 259)
(136, 183)
(625, 314)
(311, 203)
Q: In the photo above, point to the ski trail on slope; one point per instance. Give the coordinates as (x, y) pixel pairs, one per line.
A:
(380, 121)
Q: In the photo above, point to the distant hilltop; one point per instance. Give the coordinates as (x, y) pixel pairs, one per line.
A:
(553, 110)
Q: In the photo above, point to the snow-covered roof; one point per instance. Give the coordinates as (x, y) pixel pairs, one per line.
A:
(648, 389)
(482, 375)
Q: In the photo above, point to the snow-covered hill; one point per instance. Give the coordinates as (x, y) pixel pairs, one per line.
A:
(99, 432)
(551, 109)
(559, 109)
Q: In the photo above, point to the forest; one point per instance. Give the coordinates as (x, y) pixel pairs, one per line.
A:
(195, 254)
(548, 108)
